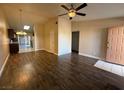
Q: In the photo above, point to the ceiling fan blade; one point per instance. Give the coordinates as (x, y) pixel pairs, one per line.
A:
(70, 18)
(63, 14)
(81, 6)
(81, 14)
(66, 8)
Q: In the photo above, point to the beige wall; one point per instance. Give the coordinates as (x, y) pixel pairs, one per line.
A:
(4, 49)
(46, 36)
(54, 36)
(39, 36)
(93, 36)
(51, 36)
(64, 36)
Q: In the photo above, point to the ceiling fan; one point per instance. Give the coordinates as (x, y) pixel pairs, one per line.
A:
(72, 12)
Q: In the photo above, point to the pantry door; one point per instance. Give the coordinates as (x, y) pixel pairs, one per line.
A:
(115, 45)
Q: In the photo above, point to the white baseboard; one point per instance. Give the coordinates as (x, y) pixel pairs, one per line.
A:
(1, 70)
(38, 49)
(50, 52)
(87, 55)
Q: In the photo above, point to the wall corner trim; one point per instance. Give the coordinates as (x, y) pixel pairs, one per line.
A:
(50, 52)
(87, 55)
(38, 49)
(3, 66)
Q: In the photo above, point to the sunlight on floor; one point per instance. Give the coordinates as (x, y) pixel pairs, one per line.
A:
(113, 68)
(26, 50)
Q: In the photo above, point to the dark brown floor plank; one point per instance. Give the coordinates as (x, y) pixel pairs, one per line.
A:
(43, 70)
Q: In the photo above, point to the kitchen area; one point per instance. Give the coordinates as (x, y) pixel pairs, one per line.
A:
(20, 41)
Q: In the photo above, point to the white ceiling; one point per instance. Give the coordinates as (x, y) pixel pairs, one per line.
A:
(39, 13)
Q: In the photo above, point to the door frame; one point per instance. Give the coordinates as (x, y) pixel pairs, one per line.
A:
(78, 42)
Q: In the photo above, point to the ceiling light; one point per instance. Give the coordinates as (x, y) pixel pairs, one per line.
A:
(26, 27)
(21, 33)
(71, 13)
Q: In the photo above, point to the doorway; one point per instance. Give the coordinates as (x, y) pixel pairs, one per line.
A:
(75, 41)
(25, 43)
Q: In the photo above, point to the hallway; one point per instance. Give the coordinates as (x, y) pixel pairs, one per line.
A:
(44, 70)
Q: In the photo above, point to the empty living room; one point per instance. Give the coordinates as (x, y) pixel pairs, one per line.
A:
(61, 46)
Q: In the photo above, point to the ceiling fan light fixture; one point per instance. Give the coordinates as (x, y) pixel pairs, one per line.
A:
(72, 13)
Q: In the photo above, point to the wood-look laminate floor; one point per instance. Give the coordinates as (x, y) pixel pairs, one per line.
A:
(43, 70)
